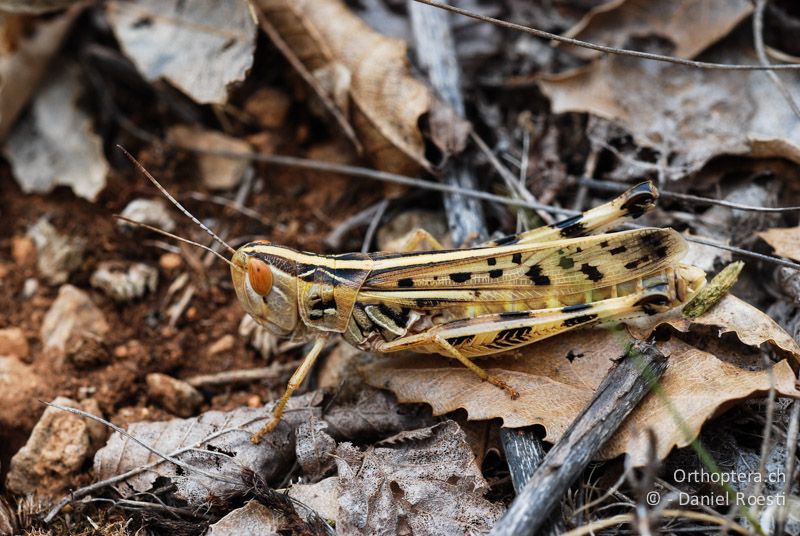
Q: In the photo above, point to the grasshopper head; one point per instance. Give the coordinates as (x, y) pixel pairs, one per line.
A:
(266, 287)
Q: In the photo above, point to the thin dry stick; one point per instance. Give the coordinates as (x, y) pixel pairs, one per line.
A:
(612, 50)
(373, 225)
(274, 371)
(601, 524)
(788, 475)
(298, 66)
(508, 177)
(355, 171)
(758, 42)
(613, 187)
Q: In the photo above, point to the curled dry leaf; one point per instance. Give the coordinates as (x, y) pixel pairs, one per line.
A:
(24, 57)
(55, 144)
(666, 107)
(430, 485)
(556, 378)
(201, 47)
(207, 447)
(785, 241)
(364, 73)
(690, 26)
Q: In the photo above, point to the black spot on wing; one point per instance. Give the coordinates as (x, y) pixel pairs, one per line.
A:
(491, 261)
(577, 320)
(592, 273)
(460, 277)
(617, 250)
(406, 282)
(516, 258)
(604, 244)
(494, 274)
(427, 302)
(654, 242)
(536, 275)
(566, 263)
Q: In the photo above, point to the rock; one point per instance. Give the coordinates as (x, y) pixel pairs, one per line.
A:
(217, 172)
(149, 211)
(252, 519)
(269, 106)
(13, 343)
(57, 255)
(176, 396)
(72, 316)
(23, 250)
(122, 285)
(170, 261)
(224, 344)
(20, 387)
(30, 287)
(56, 450)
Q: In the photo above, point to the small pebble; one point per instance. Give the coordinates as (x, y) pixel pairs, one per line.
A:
(13, 343)
(224, 344)
(23, 249)
(170, 261)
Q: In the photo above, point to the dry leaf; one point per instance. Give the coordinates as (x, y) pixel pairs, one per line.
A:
(556, 379)
(691, 26)
(363, 72)
(24, 59)
(429, 485)
(54, 144)
(200, 47)
(785, 241)
(35, 6)
(252, 518)
(225, 456)
(687, 115)
(698, 386)
(751, 326)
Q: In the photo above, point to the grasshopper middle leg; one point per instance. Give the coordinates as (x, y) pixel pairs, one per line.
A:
(294, 382)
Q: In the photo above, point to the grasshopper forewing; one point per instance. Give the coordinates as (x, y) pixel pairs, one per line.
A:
(466, 303)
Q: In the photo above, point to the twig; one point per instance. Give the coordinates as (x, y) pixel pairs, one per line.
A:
(298, 66)
(276, 370)
(601, 524)
(334, 238)
(373, 225)
(791, 450)
(435, 52)
(603, 48)
(758, 43)
(621, 390)
(509, 178)
(607, 186)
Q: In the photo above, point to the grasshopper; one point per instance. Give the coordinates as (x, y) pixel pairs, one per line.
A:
(465, 303)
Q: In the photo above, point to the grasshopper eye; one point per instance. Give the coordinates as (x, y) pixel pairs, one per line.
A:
(260, 276)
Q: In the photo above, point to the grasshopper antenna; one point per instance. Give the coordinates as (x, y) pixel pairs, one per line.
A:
(175, 202)
(176, 237)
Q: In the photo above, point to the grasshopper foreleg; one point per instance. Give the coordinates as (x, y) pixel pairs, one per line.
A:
(417, 237)
(294, 382)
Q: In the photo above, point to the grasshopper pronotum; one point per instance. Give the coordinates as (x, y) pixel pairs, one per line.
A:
(465, 303)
